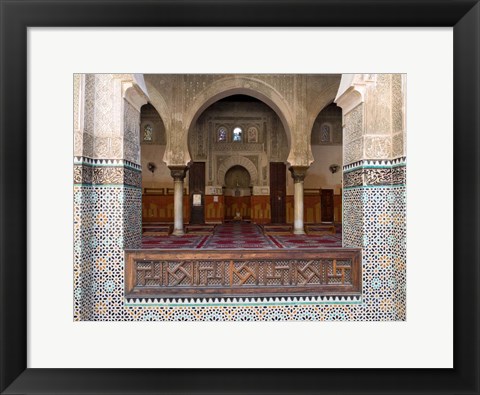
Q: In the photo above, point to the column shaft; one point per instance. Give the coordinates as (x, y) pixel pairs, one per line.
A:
(178, 208)
(178, 173)
(298, 174)
(298, 227)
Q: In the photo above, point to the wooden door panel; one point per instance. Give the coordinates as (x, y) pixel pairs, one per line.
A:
(278, 188)
(327, 205)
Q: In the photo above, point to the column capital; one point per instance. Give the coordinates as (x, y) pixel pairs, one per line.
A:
(178, 173)
(298, 173)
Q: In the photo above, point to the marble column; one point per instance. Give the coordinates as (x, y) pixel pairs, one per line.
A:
(298, 175)
(178, 174)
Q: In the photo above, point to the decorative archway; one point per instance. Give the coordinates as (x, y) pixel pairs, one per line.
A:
(237, 160)
(241, 86)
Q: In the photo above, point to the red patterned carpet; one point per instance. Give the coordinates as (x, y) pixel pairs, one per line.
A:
(242, 235)
(184, 242)
(308, 241)
(238, 235)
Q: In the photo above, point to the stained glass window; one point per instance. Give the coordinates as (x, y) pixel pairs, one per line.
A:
(222, 134)
(148, 133)
(237, 134)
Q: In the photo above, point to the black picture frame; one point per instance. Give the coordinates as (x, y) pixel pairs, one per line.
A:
(18, 15)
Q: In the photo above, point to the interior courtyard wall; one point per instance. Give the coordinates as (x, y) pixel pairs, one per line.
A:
(374, 198)
(319, 174)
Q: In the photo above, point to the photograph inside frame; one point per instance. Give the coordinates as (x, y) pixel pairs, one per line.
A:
(239, 197)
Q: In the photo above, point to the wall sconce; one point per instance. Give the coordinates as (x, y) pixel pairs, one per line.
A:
(334, 168)
(151, 166)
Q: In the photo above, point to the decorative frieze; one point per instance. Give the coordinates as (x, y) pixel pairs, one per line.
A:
(401, 161)
(106, 172)
(251, 301)
(83, 160)
(246, 147)
(353, 178)
(375, 176)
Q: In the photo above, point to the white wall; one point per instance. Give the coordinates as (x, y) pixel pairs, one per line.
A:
(319, 175)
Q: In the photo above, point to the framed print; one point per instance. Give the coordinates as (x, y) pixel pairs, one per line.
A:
(36, 275)
(197, 199)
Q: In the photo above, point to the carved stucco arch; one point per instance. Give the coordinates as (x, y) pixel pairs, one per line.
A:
(320, 102)
(242, 85)
(158, 101)
(237, 160)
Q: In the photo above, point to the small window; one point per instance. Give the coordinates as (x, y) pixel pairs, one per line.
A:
(325, 135)
(148, 133)
(222, 134)
(237, 134)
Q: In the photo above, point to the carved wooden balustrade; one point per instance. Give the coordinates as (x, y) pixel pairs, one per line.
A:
(242, 273)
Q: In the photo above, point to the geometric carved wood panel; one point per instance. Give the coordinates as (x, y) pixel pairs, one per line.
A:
(174, 274)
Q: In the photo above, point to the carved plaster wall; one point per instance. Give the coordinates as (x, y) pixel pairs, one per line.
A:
(263, 140)
(374, 117)
(107, 116)
(296, 99)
